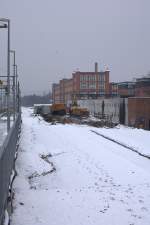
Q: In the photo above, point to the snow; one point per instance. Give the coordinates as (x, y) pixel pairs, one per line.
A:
(137, 139)
(95, 182)
(6, 219)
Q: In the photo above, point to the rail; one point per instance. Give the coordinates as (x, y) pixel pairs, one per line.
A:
(121, 144)
(7, 159)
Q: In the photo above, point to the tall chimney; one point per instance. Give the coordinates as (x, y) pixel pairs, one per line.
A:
(96, 67)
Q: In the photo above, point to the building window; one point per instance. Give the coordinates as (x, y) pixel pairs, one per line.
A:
(86, 78)
(92, 85)
(102, 77)
(83, 85)
(81, 77)
(102, 86)
(92, 78)
(101, 93)
(93, 92)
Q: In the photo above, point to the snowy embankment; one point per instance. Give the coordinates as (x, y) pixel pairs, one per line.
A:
(68, 175)
(136, 139)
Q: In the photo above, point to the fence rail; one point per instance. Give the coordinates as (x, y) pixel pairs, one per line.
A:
(7, 158)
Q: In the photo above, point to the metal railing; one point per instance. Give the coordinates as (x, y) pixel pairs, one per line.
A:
(7, 159)
(10, 116)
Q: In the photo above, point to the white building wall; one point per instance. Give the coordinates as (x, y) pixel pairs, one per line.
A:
(111, 107)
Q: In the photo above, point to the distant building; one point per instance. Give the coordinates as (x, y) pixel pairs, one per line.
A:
(82, 85)
(142, 87)
(56, 93)
(68, 91)
(139, 112)
(126, 89)
(90, 84)
(113, 89)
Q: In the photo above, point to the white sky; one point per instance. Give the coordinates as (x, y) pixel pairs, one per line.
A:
(54, 38)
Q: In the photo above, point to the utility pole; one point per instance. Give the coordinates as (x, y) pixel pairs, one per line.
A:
(16, 70)
(14, 86)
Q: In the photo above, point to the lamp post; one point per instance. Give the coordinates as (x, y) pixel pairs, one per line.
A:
(14, 88)
(6, 24)
(17, 102)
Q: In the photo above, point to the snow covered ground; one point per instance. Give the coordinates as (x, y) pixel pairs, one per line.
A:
(68, 175)
(132, 137)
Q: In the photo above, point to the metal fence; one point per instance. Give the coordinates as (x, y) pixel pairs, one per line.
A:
(10, 114)
(7, 159)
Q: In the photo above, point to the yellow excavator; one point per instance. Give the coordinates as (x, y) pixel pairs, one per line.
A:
(58, 109)
(78, 111)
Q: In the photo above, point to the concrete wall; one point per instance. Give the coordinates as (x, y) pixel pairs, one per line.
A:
(111, 107)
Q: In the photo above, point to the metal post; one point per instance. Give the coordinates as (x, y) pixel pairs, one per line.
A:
(7, 25)
(18, 96)
(8, 78)
(14, 88)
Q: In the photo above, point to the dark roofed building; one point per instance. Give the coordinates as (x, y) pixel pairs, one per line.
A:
(142, 87)
(126, 89)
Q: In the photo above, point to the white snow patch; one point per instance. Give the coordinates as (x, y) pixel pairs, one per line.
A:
(95, 182)
(132, 137)
(6, 220)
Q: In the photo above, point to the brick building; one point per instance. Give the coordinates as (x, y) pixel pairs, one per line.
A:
(68, 91)
(142, 87)
(82, 85)
(139, 88)
(126, 89)
(90, 84)
(56, 93)
(139, 112)
(62, 92)
(113, 89)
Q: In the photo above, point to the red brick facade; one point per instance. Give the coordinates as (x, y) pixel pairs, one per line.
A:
(90, 84)
(142, 91)
(62, 92)
(113, 89)
(82, 85)
(142, 87)
(56, 93)
(139, 112)
(126, 89)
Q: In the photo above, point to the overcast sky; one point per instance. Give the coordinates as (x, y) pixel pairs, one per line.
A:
(53, 38)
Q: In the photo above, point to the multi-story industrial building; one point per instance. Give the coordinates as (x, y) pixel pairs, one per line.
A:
(91, 84)
(125, 102)
(113, 89)
(62, 92)
(56, 93)
(82, 85)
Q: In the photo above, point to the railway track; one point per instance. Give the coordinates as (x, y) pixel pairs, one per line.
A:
(121, 144)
